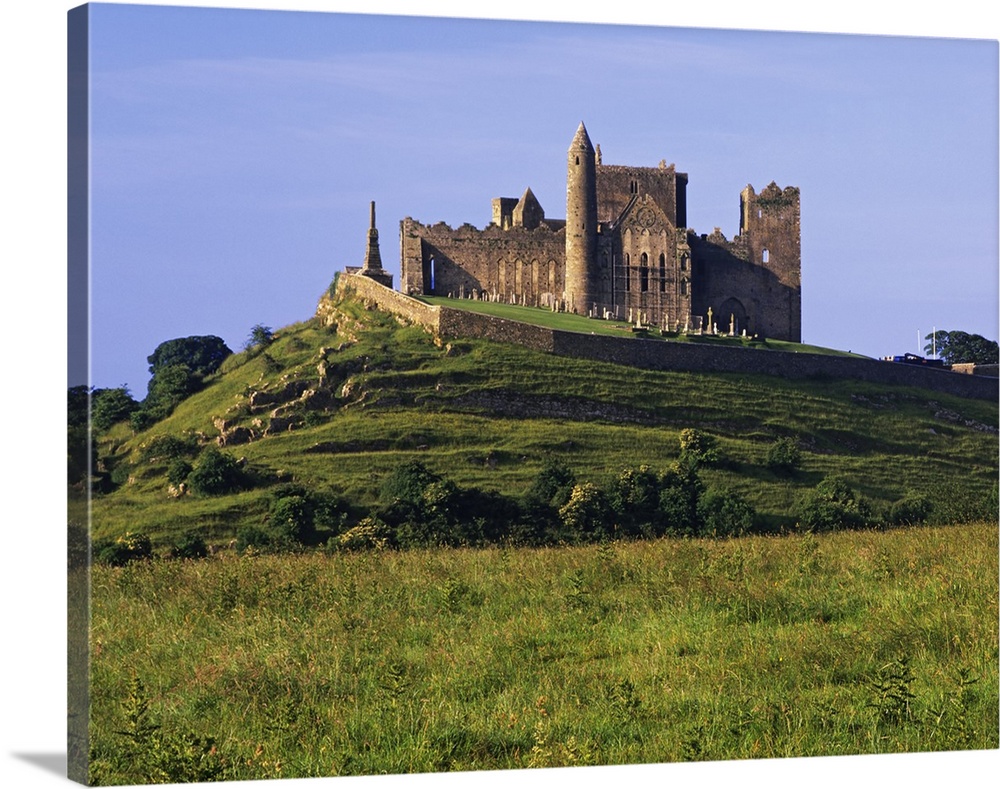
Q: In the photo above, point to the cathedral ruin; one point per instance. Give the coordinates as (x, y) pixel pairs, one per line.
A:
(624, 250)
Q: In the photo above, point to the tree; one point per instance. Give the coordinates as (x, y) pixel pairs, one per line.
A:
(833, 504)
(725, 514)
(680, 490)
(110, 406)
(216, 473)
(587, 513)
(260, 337)
(634, 496)
(202, 354)
(959, 347)
(699, 448)
(783, 455)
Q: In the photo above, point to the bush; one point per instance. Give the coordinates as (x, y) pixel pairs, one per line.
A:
(910, 510)
(634, 497)
(216, 473)
(784, 455)
(587, 513)
(160, 448)
(118, 552)
(725, 514)
(369, 534)
(699, 448)
(833, 505)
(110, 406)
(190, 546)
(292, 518)
(178, 471)
(252, 537)
(680, 489)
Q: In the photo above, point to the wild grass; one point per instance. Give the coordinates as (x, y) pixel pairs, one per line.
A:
(345, 664)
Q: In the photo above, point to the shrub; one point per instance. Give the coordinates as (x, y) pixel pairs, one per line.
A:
(725, 514)
(160, 448)
(698, 448)
(178, 471)
(118, 552)
(252, 537)
(292, 518)
(216, 473)
(834, 504)
(190, 546)
(634, 496)
(784, 455)
(110, 406)
(680, 489)
(369, 534)
(910, 510)
(587, 513)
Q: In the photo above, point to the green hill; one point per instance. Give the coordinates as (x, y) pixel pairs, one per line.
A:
(339, 407)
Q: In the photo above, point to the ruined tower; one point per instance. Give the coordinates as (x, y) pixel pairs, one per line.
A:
(581, 224)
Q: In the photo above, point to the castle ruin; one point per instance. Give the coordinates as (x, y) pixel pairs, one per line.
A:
(624, 251)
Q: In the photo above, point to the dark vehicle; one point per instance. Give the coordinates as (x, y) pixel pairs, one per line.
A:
(912, 358)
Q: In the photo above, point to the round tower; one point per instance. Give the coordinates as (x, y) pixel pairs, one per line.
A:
(581, 224)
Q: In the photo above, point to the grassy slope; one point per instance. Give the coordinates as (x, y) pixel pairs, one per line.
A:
(415, 404)
(576, 323)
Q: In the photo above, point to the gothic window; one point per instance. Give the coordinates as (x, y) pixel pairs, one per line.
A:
(628, 273)
(644, 273)
(663, 273)
(684, 287)
(684, 262)
(634, 187)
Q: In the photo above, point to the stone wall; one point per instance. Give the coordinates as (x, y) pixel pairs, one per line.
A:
(519, 262)
(652, 354)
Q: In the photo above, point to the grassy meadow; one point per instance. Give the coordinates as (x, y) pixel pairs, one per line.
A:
(254, 666)
(321, 661)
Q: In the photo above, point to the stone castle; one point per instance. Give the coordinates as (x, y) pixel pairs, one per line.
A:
(624, 251)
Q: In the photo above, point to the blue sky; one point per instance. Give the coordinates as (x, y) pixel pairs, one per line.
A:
(867, 316)
(235, 152)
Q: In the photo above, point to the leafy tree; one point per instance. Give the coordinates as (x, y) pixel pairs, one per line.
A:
(110, 406)
(260, 337)
(202, 355)
(552, 485)
(959, 347)
(725, 514)
(784, 455)
(78, 406)
(292, 517)
(587, 514)
(834, 504)
(680, 489)
(406, 484)
(216, 473)
(698, 448)
(634, 496)
(169, 387)
(189, 546)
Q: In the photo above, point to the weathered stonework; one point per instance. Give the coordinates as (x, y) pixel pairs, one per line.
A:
(624, 249)
(656, 354)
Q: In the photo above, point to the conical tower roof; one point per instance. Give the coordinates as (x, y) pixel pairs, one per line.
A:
(581, 140)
